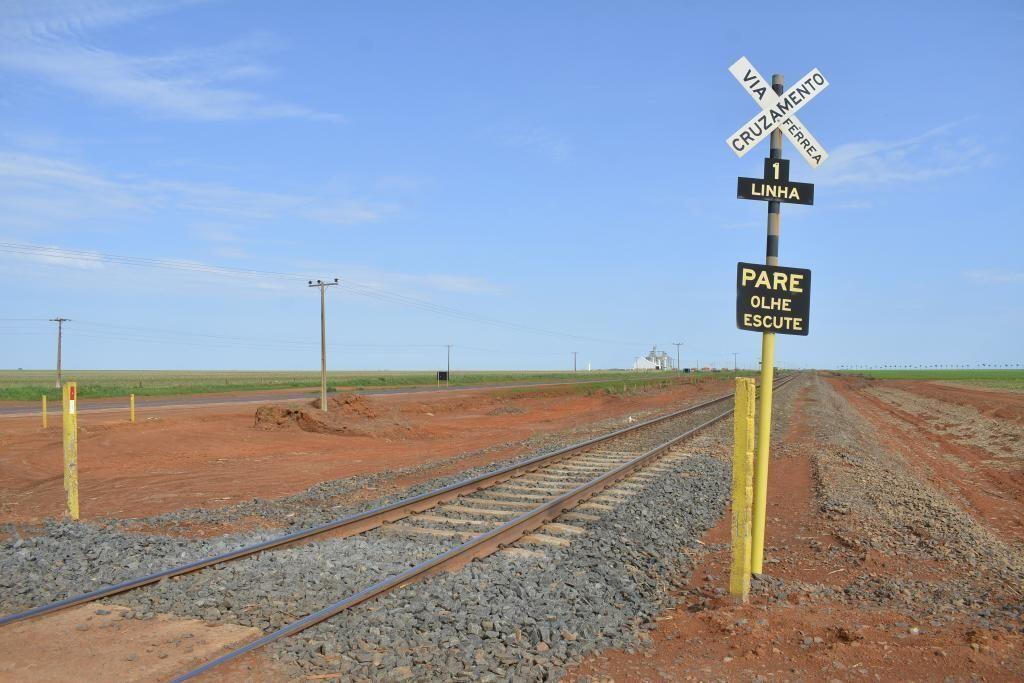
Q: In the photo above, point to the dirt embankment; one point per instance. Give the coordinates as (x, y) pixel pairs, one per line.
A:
(346, 415)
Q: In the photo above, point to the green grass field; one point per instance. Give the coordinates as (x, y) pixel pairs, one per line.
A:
(29, 385)
(995, 379)
(626, 383)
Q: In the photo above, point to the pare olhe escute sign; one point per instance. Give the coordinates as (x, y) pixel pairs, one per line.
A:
(773, 298)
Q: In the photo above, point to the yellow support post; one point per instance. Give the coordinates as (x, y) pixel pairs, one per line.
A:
(742, 487)
(71, 447)
(44, 411)
(132, 409)
(764, 437)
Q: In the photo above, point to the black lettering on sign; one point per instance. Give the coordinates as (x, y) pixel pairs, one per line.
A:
(773, 299)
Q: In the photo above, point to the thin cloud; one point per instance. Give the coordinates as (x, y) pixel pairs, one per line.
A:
(187, 272)
(995, 276)
(349, 213)
(936, 153)
(49, 42)
(41, 191)
(539, 140)
(415, 284)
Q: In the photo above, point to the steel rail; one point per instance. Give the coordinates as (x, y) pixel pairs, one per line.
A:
(479, 546)
(356, 523)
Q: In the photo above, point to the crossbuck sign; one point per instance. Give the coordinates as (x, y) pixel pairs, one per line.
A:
(777, 111)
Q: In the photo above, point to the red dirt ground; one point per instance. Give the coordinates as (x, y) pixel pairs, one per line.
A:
(993, 493)
(710, 637)
(1006, 405)
(177, 458)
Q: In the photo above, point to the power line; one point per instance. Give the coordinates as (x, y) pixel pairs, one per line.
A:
(134, 334)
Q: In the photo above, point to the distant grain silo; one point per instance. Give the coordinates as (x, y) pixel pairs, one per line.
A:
(654, 360)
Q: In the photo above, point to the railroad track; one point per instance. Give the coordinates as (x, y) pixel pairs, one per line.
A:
(533, 503)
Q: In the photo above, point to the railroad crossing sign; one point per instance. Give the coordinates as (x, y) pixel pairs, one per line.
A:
(775, 186)
(770, 299)
(777, 111)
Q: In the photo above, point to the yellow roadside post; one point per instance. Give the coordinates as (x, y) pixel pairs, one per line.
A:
(131, 404)
(71, 448)
(44, 411)
(742, 487)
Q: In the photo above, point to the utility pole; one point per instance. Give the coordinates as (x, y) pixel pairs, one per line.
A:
(734, 361)
(323, 340)
(574, 362)
(448, 376)
(60, 333)
(679, 366)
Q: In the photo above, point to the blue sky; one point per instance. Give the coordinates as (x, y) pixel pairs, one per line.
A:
(559, 166)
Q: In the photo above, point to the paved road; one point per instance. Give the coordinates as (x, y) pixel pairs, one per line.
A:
(199, 400)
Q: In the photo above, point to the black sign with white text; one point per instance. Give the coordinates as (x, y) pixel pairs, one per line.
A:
(774, 191)
(775, 186)
(773, 298)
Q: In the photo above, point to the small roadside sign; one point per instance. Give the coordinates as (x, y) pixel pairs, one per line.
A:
(442, 375)
(773, 299)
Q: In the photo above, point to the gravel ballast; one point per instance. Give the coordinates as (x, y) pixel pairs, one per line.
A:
(526, 619)
(62, 558)
(499, 618)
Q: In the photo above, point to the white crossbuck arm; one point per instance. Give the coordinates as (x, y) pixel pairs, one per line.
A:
(772, 113)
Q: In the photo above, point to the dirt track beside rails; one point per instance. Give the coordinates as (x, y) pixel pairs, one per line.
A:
(213, 457)
(888, 556)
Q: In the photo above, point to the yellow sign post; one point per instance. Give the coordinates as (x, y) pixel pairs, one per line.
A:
(71, 447)
(764, 437)
(742, 487)
(131, 403)
(44, 411)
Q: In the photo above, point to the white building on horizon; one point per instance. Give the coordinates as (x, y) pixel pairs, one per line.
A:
(654, 360)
